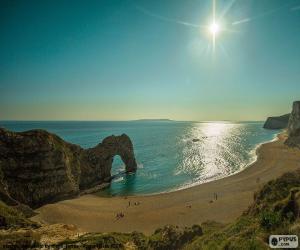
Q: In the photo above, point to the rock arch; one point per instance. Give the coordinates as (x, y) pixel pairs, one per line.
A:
(97, 161)
(38, 167)
(122, 146)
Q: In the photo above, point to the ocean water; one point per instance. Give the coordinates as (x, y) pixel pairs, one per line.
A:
(168, 156)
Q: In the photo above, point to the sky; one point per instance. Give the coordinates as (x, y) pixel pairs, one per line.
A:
(134, 59)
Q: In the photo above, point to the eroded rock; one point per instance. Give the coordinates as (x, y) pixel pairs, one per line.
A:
(37, 167)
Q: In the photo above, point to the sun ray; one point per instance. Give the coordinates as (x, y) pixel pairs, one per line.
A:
(227, 8)
(214, 27)
(261, 15)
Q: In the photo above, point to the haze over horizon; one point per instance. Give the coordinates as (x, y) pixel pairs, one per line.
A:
(127, 60)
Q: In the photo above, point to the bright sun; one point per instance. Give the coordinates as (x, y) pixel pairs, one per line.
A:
(214, 28)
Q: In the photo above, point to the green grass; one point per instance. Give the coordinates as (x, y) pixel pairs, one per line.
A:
(20, 240)
(107, 241)
(275, 210)
(12, 218)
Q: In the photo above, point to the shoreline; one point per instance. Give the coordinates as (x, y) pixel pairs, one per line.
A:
(184, 207)
(276, 138)
(255, 153)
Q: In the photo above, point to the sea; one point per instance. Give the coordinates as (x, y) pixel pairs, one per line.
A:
(171, 155)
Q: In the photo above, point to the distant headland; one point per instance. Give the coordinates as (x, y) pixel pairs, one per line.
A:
(153, 120)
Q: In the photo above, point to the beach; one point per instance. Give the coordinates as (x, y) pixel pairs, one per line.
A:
(91, 213)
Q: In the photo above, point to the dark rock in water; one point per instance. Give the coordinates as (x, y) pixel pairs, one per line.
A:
(294, 126)
(277, 122)
(195, 140)
(37, 167)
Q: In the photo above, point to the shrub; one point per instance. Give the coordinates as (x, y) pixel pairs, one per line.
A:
(270, 220)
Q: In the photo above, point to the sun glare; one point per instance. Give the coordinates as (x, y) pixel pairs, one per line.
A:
(214, 28)
(213, 31)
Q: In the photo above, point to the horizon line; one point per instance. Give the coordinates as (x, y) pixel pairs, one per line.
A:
(129, 120)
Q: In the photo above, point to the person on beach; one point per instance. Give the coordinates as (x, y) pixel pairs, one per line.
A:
(215, 196)
(120, 215)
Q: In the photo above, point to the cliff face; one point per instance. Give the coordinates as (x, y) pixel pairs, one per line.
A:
(37, 167)
(294, 126)
(277, 122)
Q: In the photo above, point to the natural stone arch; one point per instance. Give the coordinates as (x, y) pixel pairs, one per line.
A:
(38, 167)
(122, 146)
(97, 163)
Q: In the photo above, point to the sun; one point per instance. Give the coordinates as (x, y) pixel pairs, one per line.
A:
(214, 28)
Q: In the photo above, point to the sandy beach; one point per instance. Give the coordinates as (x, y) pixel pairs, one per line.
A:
(184, 207)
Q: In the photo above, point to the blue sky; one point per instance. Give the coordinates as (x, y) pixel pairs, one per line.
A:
(130, 59)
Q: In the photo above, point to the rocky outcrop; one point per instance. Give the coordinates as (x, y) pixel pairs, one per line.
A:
(277, 122)
(96, 162)
(37, 167)
(294, 126)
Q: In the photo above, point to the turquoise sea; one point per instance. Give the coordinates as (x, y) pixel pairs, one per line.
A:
(171, 155)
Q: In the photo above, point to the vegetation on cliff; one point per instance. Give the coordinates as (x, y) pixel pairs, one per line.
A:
(17, 231)
(275, 210)
(13, 218)
(168, 237)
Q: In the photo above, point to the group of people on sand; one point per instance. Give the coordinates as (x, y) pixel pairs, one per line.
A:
(120, 215)
(135, 203)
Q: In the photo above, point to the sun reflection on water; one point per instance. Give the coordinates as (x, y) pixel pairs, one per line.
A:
(210, 153)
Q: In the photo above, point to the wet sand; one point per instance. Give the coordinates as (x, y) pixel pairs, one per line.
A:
(186, 207)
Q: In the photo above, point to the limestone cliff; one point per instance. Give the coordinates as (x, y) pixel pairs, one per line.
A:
(37, 167)
(277, 122)
(294, 126)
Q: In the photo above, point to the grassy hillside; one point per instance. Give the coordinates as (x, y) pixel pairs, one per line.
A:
(16, 231)
(275, 210)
